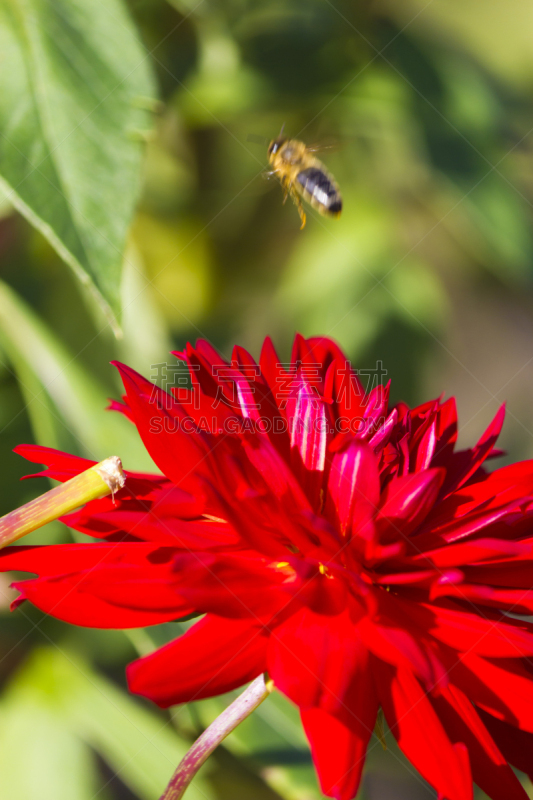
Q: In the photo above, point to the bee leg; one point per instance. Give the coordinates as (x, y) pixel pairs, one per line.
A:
(300, 208)
(287, 190)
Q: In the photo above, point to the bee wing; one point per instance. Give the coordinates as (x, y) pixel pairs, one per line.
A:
(317, 147)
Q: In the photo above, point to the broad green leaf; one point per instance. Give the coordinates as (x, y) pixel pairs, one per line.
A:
(66, 405)
(39, 756)
(85, 708)
(72, 90)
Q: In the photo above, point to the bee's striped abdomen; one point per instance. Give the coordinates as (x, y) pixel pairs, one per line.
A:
(319, 189)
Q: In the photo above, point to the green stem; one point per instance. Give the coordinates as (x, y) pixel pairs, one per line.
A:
(100, 480)
(234, 714)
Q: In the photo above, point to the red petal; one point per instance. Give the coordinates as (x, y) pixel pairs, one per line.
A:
(516, 745)
(390, 641)
(264, 407)
(519, 601)
(406, 501)
(347, 395)
(381, 437)
(205, 365)
(214, 656)
(502, 573)
(338, 742)
(120, 585)
(503, 687)
(498, 489)
(420, 734)
(122, 407)
(275, 374)
(457, 529)
(353, 489)
(168, 433)
(60, 466)
(324, 351)
(426, 447)
(275, 471)
(490, 769)
(456, 555)
(310, 431)
(468, 632)
(462, 465)
(154, 511)
(243, 585)
(447, 431)
(375, 412)
(313, 658)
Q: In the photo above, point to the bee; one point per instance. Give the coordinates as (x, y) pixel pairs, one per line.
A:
(303, 176)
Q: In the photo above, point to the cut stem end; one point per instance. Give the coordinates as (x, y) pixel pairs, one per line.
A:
(102, 479)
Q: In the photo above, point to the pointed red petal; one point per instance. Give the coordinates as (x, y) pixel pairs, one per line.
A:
(490, 769)
(456, 555)
(353, 489)
(406, 502)
(274, 373)
(518, 601)
(502, 687)
(169, 435)
(310, 431)
(389, 640)
(241, 585)
(121, 407)
(313, 657)
(462, 465)
(426, 448)
(338, 742)
(420, 734)
(467, 631)
(214, 656)
(60, 466)
(119, 585)
(516, 745)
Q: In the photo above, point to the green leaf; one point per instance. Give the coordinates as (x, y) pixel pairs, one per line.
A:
(139, 745)
(65, 404)
(83, 709)
(71, 111)
(39, 757)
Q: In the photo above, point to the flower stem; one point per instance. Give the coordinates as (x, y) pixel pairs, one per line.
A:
(100, 480)
(234, 714)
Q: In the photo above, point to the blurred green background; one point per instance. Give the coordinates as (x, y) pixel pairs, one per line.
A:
(125, 160)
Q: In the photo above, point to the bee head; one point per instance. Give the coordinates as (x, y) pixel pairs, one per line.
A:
(275, 145)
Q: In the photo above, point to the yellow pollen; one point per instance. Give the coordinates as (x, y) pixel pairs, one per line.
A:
(282, 564)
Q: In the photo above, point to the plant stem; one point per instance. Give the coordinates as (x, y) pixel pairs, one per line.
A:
(234, 714)
(100, 480)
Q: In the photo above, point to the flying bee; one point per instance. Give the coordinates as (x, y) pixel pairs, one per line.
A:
(303, 176)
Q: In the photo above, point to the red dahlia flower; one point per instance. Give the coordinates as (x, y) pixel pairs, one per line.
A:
(349, 551)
